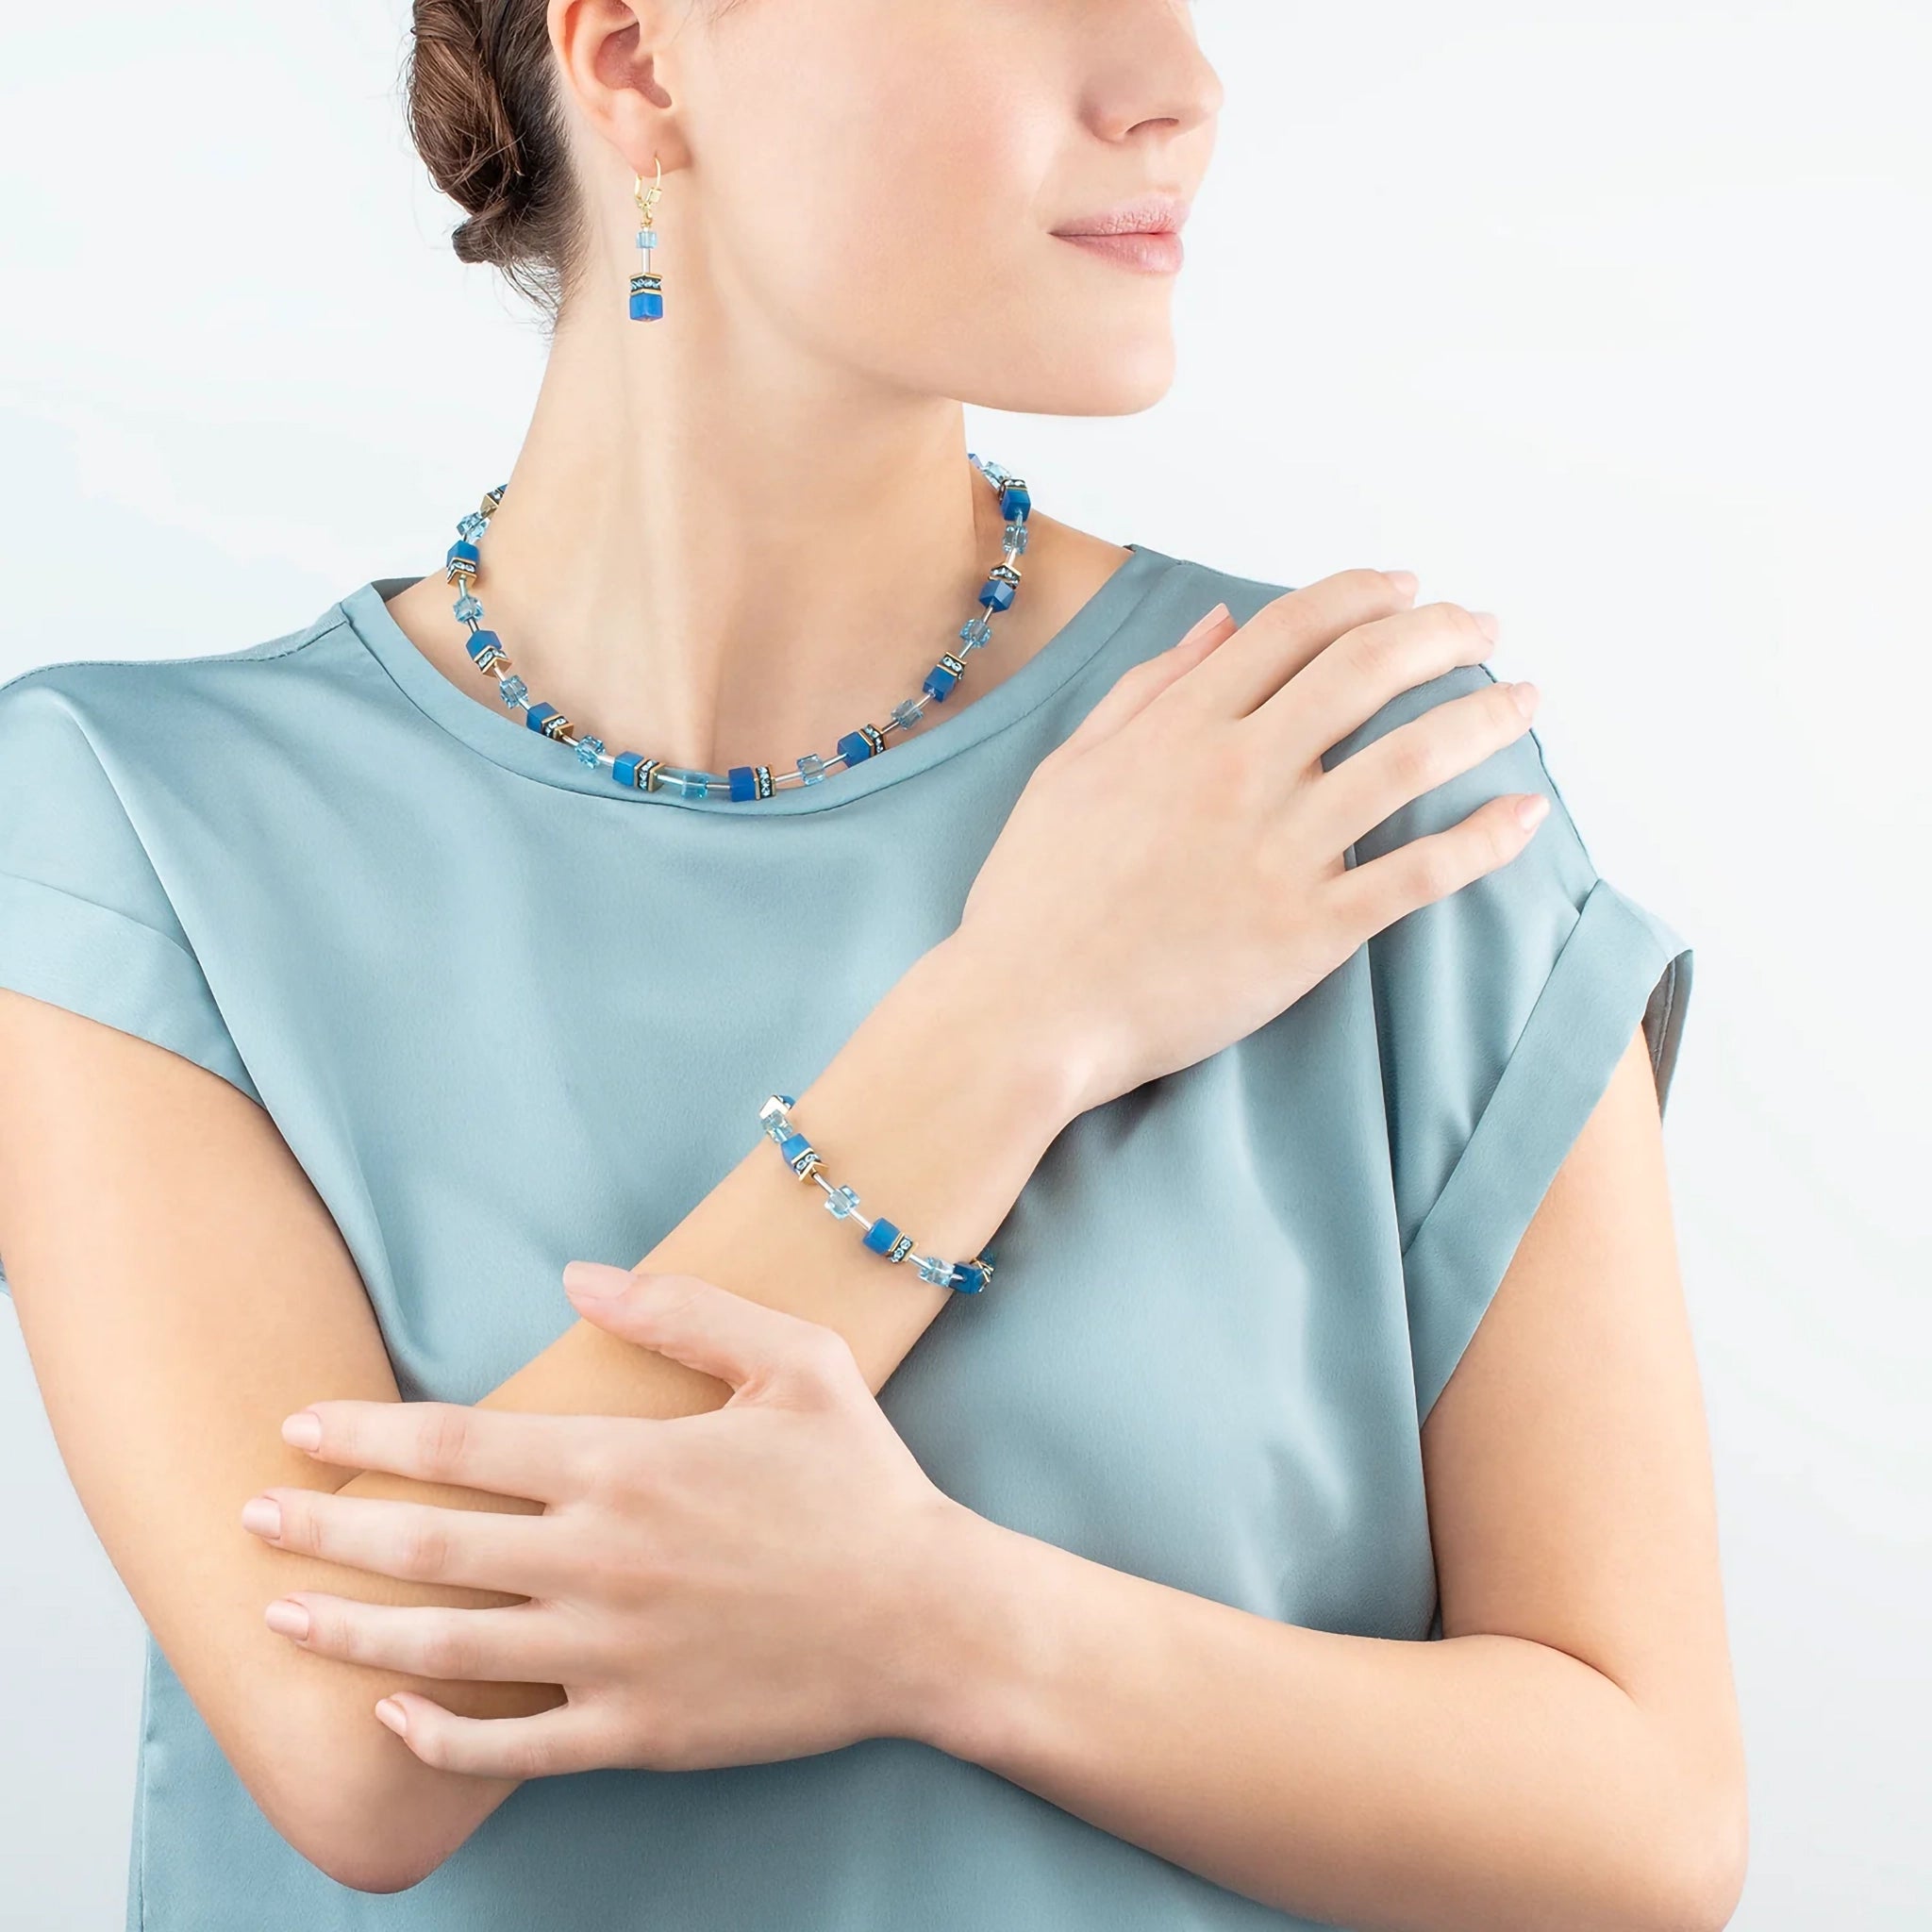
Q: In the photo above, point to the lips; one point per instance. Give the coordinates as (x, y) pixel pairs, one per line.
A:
(1151, 214)
(1143, 234)
(1153, 251)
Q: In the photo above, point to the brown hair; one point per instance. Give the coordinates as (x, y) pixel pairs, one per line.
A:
(480, 85)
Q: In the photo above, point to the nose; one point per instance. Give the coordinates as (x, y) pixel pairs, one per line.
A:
(1164, 79)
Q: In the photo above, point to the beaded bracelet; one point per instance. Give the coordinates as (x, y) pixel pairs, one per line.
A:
(881, 1236)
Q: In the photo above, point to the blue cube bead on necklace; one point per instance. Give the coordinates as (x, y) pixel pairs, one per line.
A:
(743, 784)
(997, 591)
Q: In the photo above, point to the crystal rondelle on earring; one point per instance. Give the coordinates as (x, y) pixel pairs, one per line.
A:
(647, 290)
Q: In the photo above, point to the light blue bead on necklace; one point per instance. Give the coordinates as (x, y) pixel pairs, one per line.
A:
(636, 772)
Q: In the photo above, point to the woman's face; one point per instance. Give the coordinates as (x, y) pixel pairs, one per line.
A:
(879, 183)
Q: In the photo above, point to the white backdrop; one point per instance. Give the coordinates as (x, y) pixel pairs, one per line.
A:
(1611, 319)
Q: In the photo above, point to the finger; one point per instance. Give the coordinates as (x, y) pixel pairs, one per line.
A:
(1366, 667)
(523, 1644)
(568, 1736)
(1284, 636)
(1375, 895)
(1399, 767)
(502, 1452)
(1134, 689)
(709, 1329)
(484, 1549)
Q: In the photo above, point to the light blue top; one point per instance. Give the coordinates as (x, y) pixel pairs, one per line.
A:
(505, 1013)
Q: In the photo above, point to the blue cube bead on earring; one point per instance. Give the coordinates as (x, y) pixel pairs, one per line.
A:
(647, 290)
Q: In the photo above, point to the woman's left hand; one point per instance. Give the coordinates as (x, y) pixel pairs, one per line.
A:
(751, 1583)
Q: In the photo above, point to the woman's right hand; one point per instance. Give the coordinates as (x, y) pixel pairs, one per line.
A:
(1173, 875)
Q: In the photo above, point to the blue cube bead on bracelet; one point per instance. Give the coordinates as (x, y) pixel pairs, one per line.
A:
(882, 1236)
(803, 1156)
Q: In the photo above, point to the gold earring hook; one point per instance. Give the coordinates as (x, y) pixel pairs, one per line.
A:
(647, 198)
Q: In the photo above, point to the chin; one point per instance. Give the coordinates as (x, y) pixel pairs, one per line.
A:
(1066, 358)
(1092, 377)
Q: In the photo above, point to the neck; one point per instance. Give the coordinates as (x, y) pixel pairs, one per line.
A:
(725, 558)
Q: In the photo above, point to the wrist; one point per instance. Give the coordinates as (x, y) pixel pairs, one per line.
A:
(960, 1682)
(1018, 1041)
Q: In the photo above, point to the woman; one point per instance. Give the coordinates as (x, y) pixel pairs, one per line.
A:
(1181, 930)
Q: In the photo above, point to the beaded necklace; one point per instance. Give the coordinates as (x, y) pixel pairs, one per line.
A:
(633, 769)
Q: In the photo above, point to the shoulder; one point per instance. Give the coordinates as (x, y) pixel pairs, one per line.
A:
(98, 687)
(79, 722)
(1187, 587)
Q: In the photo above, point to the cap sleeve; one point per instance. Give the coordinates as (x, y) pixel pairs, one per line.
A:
(1501, 1012)
(85, 922)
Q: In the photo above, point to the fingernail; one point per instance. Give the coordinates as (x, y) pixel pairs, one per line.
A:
(1529, 812)
(394, 1716)
(1206, 621)
(1403, 580)
(262, 1517)
(1524, 694)
(595, 1279)
(286, 1618)
(1489, 623)
(303, 1429)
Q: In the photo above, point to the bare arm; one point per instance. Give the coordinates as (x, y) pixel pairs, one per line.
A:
(181, 1289)
(1568, 1756)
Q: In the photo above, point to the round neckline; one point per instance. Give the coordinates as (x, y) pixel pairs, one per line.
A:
(507, 741)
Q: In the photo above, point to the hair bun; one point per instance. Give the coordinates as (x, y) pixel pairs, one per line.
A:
(481, 103)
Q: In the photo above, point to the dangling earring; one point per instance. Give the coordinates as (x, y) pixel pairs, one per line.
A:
(646, 290)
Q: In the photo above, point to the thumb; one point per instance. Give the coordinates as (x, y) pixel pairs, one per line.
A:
(1139, 685)
(697, 1322)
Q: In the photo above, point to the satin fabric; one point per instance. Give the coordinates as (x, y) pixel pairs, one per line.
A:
(506, 1014)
